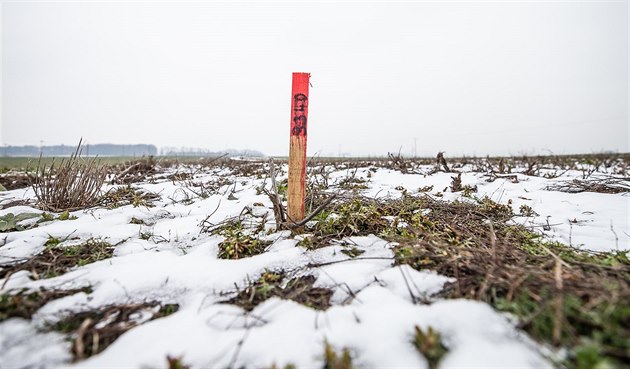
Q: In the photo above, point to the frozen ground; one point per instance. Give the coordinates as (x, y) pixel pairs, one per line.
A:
(374, 310)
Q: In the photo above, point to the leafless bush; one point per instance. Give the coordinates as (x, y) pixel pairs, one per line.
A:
(399, 163)
(75, 184)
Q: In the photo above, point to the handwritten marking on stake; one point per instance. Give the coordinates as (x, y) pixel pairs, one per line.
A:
(300, 109)
(297, 146)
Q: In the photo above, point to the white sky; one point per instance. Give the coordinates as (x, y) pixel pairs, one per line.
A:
(462, 77)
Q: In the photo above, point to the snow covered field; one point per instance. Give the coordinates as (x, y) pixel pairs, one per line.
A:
(163, 254)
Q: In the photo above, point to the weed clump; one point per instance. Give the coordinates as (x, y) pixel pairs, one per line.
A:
(56, 260)
(93, 331)
(128, 195)
(239, 242)
(358, 216)
(269, 285)
(24, 303)
(11, 222)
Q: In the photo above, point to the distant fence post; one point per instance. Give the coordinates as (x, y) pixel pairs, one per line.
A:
(297, 146)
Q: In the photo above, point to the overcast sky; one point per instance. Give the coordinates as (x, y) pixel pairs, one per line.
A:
(465, 77)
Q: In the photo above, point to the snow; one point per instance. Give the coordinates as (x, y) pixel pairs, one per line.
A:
(375, 305)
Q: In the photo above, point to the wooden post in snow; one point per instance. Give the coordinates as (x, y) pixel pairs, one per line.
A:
(297, 147)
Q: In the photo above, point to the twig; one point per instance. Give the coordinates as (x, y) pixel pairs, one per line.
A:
(277, 203)
(79, 347)
(313, 214)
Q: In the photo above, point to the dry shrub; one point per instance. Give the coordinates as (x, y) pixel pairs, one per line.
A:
(74, 185)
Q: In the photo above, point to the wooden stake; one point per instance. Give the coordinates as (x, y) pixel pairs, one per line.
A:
(297, 147)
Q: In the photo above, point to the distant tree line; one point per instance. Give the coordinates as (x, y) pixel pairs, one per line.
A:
(88, 150)
(189, 151)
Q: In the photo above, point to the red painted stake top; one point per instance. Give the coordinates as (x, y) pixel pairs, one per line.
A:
(299, 104)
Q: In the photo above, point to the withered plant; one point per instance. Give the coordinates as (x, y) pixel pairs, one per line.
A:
(74, 184)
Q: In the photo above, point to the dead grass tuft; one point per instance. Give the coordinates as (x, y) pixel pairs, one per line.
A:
(128, 195)
(93, 331)
(240, 242)
(270, 284)
(600, 185)
(74, 185)
(134, 171)
(56, 260)
(24, 303)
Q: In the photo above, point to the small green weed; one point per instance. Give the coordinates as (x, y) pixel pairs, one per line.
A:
(176, 363)
(430, 345)
(135, 220)
(10, 222)
(333, 360)
(527, 211)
